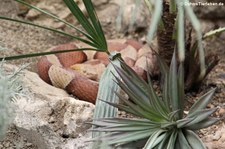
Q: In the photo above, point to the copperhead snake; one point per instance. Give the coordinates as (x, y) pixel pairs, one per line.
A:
(78, 72)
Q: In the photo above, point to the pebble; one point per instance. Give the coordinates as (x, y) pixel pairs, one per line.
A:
(210, 106)
(7, 144)
(216, 137)
(29, 144)
(220, 112)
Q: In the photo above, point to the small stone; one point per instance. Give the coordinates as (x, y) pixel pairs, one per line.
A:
(7, 144)
(29, 144)
(216, 137)
(221, 111)
(210, 106)
(222, 139)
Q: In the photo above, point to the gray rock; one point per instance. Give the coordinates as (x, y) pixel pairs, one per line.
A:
(50, 118)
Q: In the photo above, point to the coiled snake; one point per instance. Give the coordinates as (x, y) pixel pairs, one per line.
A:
(78, 72)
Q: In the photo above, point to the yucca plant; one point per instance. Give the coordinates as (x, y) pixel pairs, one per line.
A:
(161, 122)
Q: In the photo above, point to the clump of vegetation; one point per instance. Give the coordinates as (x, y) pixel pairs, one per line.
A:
(10, 89)
(161, 122)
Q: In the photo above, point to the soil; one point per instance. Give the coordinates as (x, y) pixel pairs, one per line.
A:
(18, 39)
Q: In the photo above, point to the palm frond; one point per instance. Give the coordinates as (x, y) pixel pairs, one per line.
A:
(93, 27)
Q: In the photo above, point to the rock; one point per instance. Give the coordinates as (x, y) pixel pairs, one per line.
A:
(137, 20)
(221, 112)
(50, 118)
(147, 62)
(214, 139)
(129, 52)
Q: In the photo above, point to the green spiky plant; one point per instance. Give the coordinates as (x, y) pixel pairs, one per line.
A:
(161, 122)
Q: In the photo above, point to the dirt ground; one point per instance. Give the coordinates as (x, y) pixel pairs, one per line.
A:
(18, 39)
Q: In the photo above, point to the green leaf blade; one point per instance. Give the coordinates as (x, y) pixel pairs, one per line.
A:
(173, 86)
(193, 140)
(202, 102)
(106, 90)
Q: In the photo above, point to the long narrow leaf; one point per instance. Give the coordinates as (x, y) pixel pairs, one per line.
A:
(106, 91)
(95, 22)
(138, 109)
(181, 123)
(156, 16)
(183, 141)
(181, 89)
(133, 97)
(172, 140)
(123, 128)
(137, 100)
(128, 137)
(75, 10)
(203, 124)
(213, 32)
(194, 141)
(157, 102)
(112, 122)
(165, 81)
(89, 28)
(201, 115)
(124, 108)
(196, 118)
(133, 84)
(197, 26)
(173, 85)
(165, 140)
(202, 102)
(180, 37)
(43, 53)
(173, 6)
(153, 140)
(141, 88)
